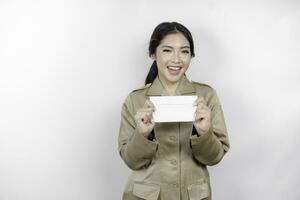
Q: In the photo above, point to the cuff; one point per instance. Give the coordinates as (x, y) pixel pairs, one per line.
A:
(141, 147)
(200, 143)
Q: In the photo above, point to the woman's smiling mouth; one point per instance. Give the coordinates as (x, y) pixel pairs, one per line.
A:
(174, 70)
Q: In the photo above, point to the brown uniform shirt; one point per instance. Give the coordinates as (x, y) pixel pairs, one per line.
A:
(173, 165)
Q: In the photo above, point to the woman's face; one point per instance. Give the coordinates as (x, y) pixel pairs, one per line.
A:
(173, 56)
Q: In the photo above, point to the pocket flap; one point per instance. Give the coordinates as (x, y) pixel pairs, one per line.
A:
(198, 191)
(146, 191)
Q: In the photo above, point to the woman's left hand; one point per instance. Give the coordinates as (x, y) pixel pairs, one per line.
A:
(202, 121)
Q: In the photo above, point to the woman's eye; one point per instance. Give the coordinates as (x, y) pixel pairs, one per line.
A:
(186, 51)
(166, 50)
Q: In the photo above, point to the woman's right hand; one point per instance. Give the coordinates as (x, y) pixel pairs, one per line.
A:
(144, 119)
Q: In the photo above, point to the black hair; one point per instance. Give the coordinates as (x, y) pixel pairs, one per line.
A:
(158, 34)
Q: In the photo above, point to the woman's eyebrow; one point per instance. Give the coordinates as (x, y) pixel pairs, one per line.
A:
(172, 47)
(167, 46)
(185, 47)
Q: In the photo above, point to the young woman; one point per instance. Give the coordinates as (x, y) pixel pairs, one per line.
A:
(169, 159)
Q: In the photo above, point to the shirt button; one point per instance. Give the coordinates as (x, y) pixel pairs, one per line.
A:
(173, 162)
(173, 138)
(175, 185)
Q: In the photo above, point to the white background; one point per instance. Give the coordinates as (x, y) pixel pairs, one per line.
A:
(67, 66)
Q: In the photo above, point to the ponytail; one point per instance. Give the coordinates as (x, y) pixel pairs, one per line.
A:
(152, 73)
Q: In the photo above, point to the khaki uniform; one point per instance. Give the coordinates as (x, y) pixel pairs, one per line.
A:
(173, 165)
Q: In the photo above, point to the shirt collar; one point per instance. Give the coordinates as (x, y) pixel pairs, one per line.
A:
(184, 87)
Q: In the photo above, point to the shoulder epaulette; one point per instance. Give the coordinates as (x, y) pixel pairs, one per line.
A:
(201, 84)
(143, 87)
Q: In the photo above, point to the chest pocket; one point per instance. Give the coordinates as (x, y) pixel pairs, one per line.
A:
(199, 190)
(146, 191)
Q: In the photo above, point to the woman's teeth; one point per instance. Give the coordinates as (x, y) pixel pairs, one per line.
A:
(174, 68)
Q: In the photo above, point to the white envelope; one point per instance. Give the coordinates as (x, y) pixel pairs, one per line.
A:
(173, 108)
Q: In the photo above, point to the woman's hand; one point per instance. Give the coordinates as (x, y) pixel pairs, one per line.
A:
(202, 121)
(143, 119)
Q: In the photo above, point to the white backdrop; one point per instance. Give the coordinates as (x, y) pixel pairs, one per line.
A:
(67, 66)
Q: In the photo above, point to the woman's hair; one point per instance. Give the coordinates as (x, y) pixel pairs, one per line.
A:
(158, 34)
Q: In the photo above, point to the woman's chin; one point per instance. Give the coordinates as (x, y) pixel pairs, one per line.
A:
(174, 79)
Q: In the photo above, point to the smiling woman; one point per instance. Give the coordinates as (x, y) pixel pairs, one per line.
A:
(169, 159)
(173, 59)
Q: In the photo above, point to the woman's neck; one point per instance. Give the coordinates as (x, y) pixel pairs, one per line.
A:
(170, 87)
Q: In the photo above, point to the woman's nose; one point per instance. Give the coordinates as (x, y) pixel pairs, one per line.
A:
(176, 58)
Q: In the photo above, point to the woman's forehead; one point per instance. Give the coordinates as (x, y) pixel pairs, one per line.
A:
(175, 39)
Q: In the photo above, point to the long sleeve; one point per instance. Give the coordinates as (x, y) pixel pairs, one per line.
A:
(136, 150)
(210, 148)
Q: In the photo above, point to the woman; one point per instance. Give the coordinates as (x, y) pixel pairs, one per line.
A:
(169, 159)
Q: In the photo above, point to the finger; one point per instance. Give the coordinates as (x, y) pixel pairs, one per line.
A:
(141, 121)
(201, 118)
(149, 104)
(139, 118)
(202, 113)
(147, 117)
(144, 120)
(202, 105)
(202, 108)
(141, 114)
(199, 100)
(145, 110)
